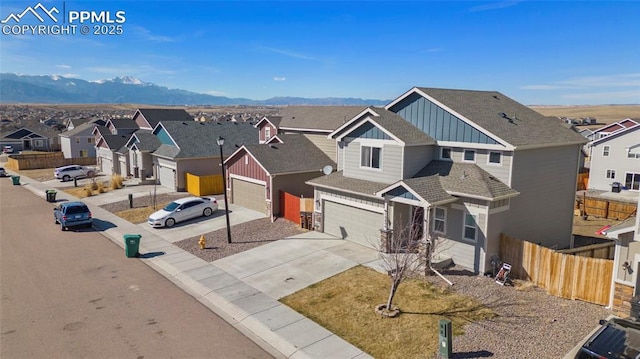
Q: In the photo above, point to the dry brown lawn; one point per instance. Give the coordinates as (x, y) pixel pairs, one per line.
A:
(139, 215)
(344, 304)
(40, 175)
(604, 113)
(591, 225)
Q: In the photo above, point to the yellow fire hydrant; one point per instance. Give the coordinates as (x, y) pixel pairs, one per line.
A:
(202, 242)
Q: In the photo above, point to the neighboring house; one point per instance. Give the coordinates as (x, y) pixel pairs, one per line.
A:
(121, 126)
(191, 147)
(79, 142)
(148, 118)
(25, 139)
(108, 158)
(460, 166)
(314, 122)
(615, 158)
(257, 173)
(626, 263)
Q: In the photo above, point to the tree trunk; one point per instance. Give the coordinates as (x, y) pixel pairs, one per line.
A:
(392, 292)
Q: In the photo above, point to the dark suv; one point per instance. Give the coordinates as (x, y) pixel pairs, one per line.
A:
(72, 214)
(616, 339)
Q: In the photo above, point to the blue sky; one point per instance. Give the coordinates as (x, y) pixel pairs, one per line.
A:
(537, 52)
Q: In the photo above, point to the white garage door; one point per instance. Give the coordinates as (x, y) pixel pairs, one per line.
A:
(167, 177)
(106, 166)
(355, 224)
(249, 195)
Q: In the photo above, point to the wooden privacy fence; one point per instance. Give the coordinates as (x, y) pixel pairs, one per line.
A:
(605, 208)
(600, 250)
(296, 209)
(561, 275)
(583, 181)
(204, 185)
(45, 160)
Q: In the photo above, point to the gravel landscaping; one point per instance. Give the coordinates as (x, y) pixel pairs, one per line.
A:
(530, 323)
(244, 236)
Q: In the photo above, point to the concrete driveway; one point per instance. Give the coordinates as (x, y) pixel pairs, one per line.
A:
(202, 225)
(289, 265)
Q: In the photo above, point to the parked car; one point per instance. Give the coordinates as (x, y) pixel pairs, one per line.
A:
(3, 173)
(72, 214)
(182, 210)
(612, 340)
(67, 173)
(7, 149)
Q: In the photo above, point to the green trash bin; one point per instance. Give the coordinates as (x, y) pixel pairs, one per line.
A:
(132, 245)
(16, 180)
(51, 195)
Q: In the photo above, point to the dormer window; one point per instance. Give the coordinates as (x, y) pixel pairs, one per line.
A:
(370, 156)
(445, 154)
(267, 133)
(469, 156)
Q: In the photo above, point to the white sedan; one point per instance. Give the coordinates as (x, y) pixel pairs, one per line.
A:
(182, 210)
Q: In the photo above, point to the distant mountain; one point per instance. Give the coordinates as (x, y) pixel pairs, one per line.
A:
(57, 89)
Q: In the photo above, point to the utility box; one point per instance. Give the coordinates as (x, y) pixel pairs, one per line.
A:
(445, 339)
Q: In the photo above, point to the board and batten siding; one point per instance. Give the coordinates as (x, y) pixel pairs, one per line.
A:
(340, 146)
(391, 163)
(437, 122)
(416, 158)
(250, 170)
(546, 179)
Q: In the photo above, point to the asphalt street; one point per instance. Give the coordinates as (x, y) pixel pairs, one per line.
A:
(74, 294)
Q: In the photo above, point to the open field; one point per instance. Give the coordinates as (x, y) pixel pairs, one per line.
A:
(604, 113)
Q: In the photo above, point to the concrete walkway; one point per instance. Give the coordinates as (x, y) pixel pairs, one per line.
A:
(244, 288)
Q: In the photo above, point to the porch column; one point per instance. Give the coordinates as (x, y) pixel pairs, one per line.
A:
(386, 234)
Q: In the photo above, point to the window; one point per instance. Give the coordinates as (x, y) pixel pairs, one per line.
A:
(84, 153)
(445, 153)
(495, 158)
(246, 159)
(632, 181)
(267, 133)
(470, 227)
(90, 140)
(439, 220)
(38, 143)
(370, 156)
(77, 140)
(611, 174)
(469, 155)
(633, 155)
(605, 151)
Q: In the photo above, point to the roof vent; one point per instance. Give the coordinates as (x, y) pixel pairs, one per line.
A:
(496, 97)
(503, 115)
(273, 146)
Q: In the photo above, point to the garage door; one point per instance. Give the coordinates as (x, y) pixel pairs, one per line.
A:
(167, 177)
(249, 195)
(106, 166)
(355, 224)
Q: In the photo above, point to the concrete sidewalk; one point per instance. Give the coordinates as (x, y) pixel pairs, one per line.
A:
(244, 288)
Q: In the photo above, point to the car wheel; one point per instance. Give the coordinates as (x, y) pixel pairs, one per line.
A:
(207, 212)
(62, 227)
(170, 222)
(66, 178)
(56, 219)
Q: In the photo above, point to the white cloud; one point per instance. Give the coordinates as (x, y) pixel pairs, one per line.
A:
(276, 78)
(632, 95)
(152, 37)
(63, 66)
(493, 6)
(287, 53)
(215, 93)
(590, 82)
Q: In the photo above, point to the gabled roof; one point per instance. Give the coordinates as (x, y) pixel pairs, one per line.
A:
(85, 128)
(319, 118)
(389, 122)
(621, 132)
(296, 154)
(499, 116)
(114, 142)
(199, 139)
(337, 180)
(146, 141)
(22, 133)
(155, 115)
(101, 130)
(617, 126)
(273, 120)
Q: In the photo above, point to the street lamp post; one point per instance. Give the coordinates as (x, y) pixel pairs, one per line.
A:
(224, 185)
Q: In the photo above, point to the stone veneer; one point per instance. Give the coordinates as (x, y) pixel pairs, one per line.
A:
(622, 295)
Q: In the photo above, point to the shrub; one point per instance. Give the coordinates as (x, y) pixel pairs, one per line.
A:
(88, 191)
(100, 187)
(116, 181)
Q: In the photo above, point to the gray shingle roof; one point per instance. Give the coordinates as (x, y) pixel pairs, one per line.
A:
(485, 108)
(275, 120)
(296, 154)
(326, 118)
(199, 139)
(115, 142)
(155, 115)
(460, 178)
(429, 188)
(399, 127)
(121, 123)
(339, 181)
(148, 141)
(87, 126)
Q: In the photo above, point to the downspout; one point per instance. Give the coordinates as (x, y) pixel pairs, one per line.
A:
(429, 243)
(271, 197)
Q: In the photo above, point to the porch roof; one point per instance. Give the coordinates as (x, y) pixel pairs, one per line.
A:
(147, 141)
(338, 181)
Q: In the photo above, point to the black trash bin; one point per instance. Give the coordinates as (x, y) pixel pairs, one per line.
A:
(51, 195)
(615, 187)
(132, 245)
(635, 307)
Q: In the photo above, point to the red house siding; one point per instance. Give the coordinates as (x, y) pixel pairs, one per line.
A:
(263, 126)
(250, 170)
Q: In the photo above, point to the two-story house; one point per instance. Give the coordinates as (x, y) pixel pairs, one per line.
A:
(615, 159)
(461, 166)
(79, 140)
